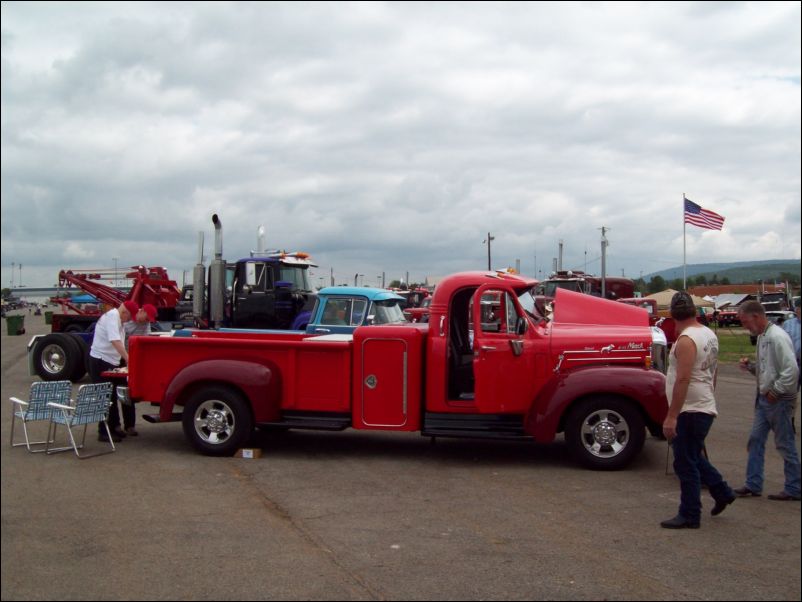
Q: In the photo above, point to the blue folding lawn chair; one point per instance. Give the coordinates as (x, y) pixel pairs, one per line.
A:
(91, 406)
(37, 409)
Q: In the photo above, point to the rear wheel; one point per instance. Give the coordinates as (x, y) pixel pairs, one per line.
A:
(605, 433)
(55, 357)
(217, 421)
(81, 360)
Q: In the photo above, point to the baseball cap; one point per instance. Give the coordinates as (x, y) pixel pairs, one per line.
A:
(151, 311)
(132, 307)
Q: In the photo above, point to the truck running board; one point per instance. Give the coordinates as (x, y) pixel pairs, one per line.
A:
(313, 420)
(156, 419)
(481, 426)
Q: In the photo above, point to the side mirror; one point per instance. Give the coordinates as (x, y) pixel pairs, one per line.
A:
(521, 325)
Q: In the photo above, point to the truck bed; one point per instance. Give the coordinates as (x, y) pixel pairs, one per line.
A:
(276, 371)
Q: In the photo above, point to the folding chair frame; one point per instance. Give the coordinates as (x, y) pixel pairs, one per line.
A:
(41, 395)
(66, 415)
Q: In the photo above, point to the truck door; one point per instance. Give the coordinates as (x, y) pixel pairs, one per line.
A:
(503, 354)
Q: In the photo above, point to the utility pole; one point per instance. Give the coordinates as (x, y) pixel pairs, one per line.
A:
(604, 245)
(13, 265)
(488, 240)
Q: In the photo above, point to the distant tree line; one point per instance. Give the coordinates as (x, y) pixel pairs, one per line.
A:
(658, 283)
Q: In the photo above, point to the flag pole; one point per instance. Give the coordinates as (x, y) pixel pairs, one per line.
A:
(684, 283)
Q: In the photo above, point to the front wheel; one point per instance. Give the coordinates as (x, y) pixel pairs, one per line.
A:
(217, 421)
(605, 433)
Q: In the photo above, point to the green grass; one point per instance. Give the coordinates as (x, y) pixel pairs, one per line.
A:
(733, 344)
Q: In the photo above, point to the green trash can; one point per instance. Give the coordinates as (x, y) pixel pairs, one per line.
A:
(48, 317)
(16, 325)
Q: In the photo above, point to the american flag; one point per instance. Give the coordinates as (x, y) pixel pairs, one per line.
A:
(697, 216)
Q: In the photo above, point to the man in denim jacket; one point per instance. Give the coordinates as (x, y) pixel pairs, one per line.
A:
(777, 376)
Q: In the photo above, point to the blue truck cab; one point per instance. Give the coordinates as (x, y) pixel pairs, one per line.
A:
(340, 309)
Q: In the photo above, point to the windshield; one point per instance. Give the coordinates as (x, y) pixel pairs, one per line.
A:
(550, 288)
(387, 312)
(297, 276)
(527, 300)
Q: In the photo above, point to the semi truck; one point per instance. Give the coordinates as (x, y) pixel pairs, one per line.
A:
(579, 281)
(510, 373)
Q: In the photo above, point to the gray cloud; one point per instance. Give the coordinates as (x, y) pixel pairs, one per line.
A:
(393, 137)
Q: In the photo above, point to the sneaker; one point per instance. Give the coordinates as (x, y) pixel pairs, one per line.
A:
(746, 492)
(679, 522)
(105, 438)
(118, 431)
(131, 432)
(785, 497)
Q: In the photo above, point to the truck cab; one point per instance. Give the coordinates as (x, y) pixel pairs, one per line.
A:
(341, 309)
(271, 291)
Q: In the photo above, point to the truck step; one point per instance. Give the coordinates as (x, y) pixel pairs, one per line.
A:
(313, 420)
(481, 426)
(156, 419)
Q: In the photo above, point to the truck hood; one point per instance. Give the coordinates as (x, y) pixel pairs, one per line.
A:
(576, 308)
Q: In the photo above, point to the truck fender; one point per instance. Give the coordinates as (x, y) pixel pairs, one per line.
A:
(258, 382)
(645, 387)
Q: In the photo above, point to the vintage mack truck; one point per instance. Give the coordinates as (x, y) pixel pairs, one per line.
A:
(486, 365)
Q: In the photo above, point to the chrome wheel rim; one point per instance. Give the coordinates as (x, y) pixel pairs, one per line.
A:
(53, 359)
(214, 422)
(605, 433)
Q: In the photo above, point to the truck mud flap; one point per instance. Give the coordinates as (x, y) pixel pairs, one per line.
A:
(480, 426)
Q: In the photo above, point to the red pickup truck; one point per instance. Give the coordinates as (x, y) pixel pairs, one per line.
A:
(510, 373)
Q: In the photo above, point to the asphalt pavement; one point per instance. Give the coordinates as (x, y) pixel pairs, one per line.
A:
(381, 516)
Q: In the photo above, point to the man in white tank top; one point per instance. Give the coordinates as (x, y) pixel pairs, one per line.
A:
(690, 387)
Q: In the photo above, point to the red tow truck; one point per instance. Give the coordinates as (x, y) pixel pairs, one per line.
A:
(509, 373)
(62, 354)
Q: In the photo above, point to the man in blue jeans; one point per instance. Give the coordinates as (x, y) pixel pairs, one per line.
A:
(777, 380)
(690, 389)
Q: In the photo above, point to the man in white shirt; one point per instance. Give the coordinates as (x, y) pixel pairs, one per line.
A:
(108, 349)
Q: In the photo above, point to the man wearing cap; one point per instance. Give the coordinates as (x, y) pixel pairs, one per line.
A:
(139, 326)
(108, 349)
(690, 389)
(140, 322)
(775, 402)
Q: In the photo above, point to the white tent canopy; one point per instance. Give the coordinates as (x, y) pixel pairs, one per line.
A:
(663, 299)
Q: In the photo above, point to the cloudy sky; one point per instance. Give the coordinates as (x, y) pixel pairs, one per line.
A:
(392, 137)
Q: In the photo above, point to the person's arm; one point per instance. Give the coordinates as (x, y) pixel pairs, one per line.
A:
(787, 370)
(118, 345)
(685, 355)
